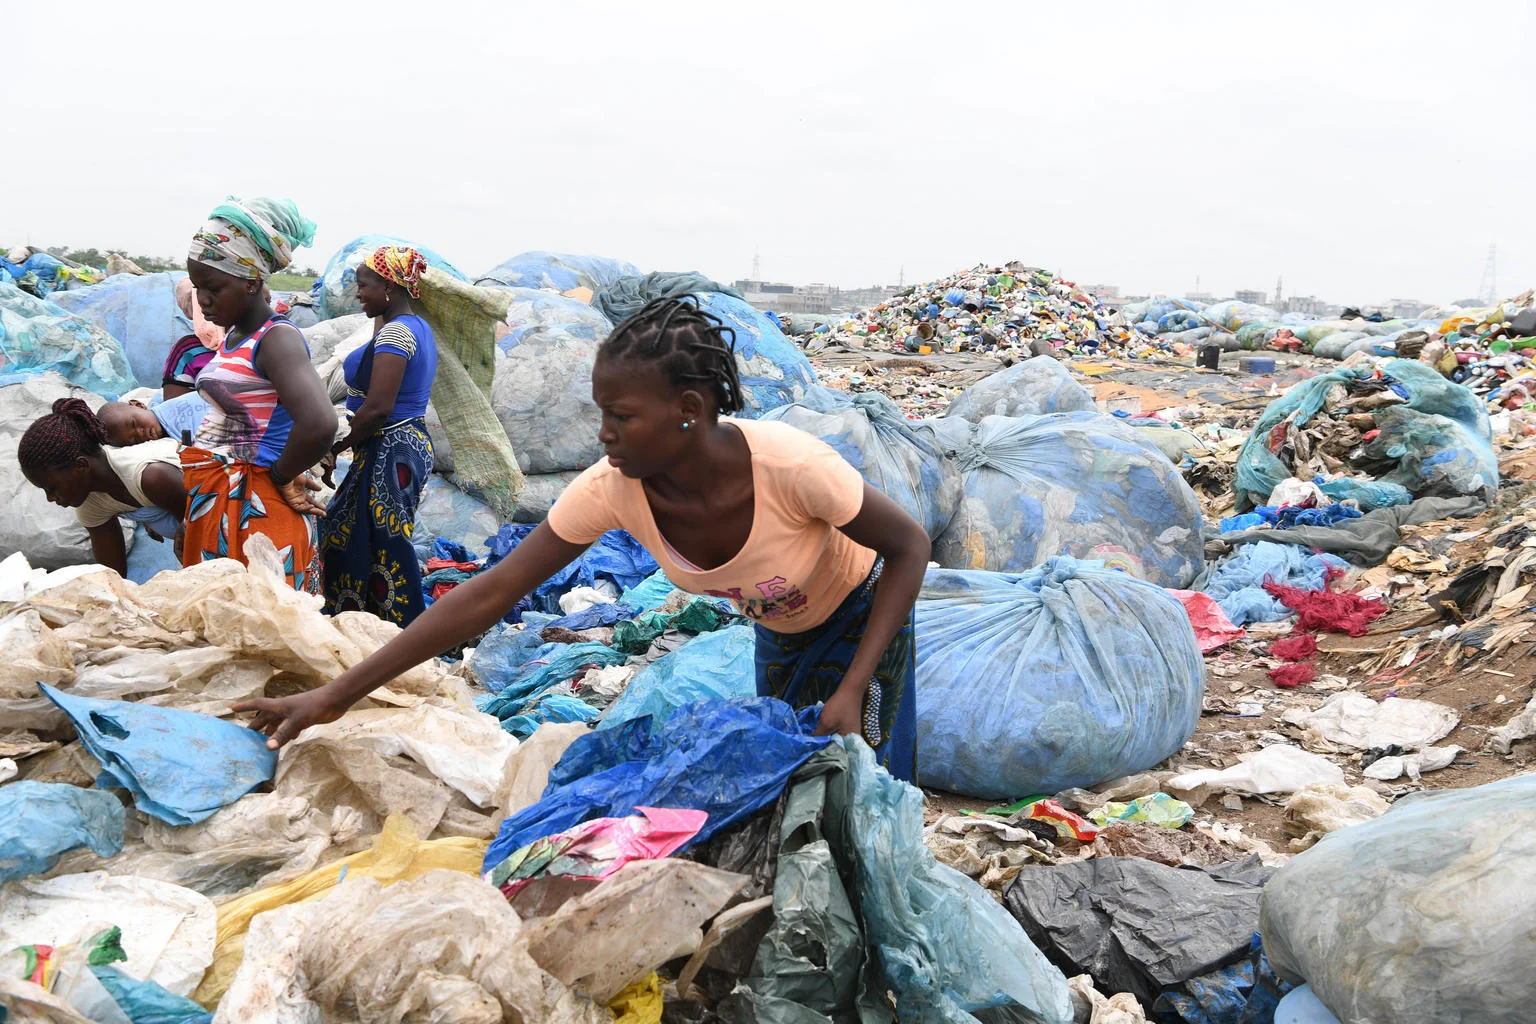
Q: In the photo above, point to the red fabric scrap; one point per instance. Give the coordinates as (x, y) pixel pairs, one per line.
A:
(1291, 676)
(434, 564)
(1324, 611)
(1067, 824)
(439, 589)
(1212, 627)
(1294, 648)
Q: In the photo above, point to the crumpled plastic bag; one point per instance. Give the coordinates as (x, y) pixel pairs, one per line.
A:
(1326, 807)
(444, 947)
(397, 854)
(715, 666)
(168, 931)
(646, 914)
(946, 947)
(1420, 916)
(39, 821)
(1350, 719)
(180, 766)
(1277, 768)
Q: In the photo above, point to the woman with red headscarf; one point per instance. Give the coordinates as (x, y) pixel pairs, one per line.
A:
(368, 562)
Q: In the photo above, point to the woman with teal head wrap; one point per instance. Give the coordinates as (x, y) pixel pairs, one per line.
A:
(246, 469)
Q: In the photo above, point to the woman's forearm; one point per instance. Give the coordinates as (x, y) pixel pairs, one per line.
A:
(895, 593)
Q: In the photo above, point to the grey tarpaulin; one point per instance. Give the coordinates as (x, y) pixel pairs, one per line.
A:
(1138, 926)
(1368, 540)
(628, 295)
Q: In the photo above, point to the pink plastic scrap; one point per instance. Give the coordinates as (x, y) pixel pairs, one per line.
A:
(596, 849)
(1212, 627)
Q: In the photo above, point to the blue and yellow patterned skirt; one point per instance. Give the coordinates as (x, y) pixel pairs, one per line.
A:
(366, 554)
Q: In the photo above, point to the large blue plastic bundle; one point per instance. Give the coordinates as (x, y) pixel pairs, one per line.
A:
(1076, 484)
(179, 766)
(1179, 320)
(1067, 675)
(558, 271)
(37, 336)
(1419, 916)
(1033, 387)
(41, 820)
(945, 946)
(1231, 314)
(1439, 438)
(727, 758)
(872, 435)
(535, 311)
(140, 312)
(335, 290)
(773, 370)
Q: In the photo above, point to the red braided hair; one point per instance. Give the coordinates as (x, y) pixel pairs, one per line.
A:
(58, 439)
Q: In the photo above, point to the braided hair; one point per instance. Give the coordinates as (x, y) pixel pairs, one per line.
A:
(685, 343)
(55, 441)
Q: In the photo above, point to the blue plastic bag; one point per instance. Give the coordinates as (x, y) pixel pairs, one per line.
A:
(1237, 582)
(715, 666)
(149, 557)
(1076, 484)
(146, 1002)
(875, 438)
(517, 675)
(945, 945)
(37, 336)
(1067, 675)
(140, 312)
(615, 556)
(40, 820)
(652, 592)
(179, 766)
(727, 758)
(548, 707)
(537, 313)
(1440, 440)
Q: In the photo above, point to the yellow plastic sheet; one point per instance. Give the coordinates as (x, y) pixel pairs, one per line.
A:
(638, 1004)
(398, 854)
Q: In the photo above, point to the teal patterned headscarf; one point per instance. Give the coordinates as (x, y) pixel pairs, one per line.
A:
(251, 239)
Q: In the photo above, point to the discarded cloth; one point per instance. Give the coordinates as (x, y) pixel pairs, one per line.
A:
(41, 820)
(180, 766)
(1290, 676)
(727, 758)
(1237, 582)
(1328, 611)
(1368, 540)
(1294, 648)
(624, 297)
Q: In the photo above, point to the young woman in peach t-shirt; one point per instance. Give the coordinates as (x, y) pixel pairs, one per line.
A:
(827, 567)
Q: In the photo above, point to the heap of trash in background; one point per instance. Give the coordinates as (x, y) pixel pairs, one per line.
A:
(1240, 660)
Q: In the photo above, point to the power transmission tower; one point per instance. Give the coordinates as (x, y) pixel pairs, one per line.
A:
(1279, 300)
(1488, 287)
(757, 265)
(901, 277)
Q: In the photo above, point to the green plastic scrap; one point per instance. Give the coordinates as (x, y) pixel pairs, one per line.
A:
(1157, 809)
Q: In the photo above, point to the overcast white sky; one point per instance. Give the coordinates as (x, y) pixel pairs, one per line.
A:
(1364, 150)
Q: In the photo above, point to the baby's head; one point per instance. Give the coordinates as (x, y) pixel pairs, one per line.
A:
(129, 423)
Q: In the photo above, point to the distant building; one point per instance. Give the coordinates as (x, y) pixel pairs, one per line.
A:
(1205, 297)
(1104, 292)
(788, 298)
(1405, 309)
(1252, 297)
(1308, 305)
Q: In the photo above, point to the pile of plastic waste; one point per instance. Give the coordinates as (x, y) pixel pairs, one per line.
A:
(985, 309)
